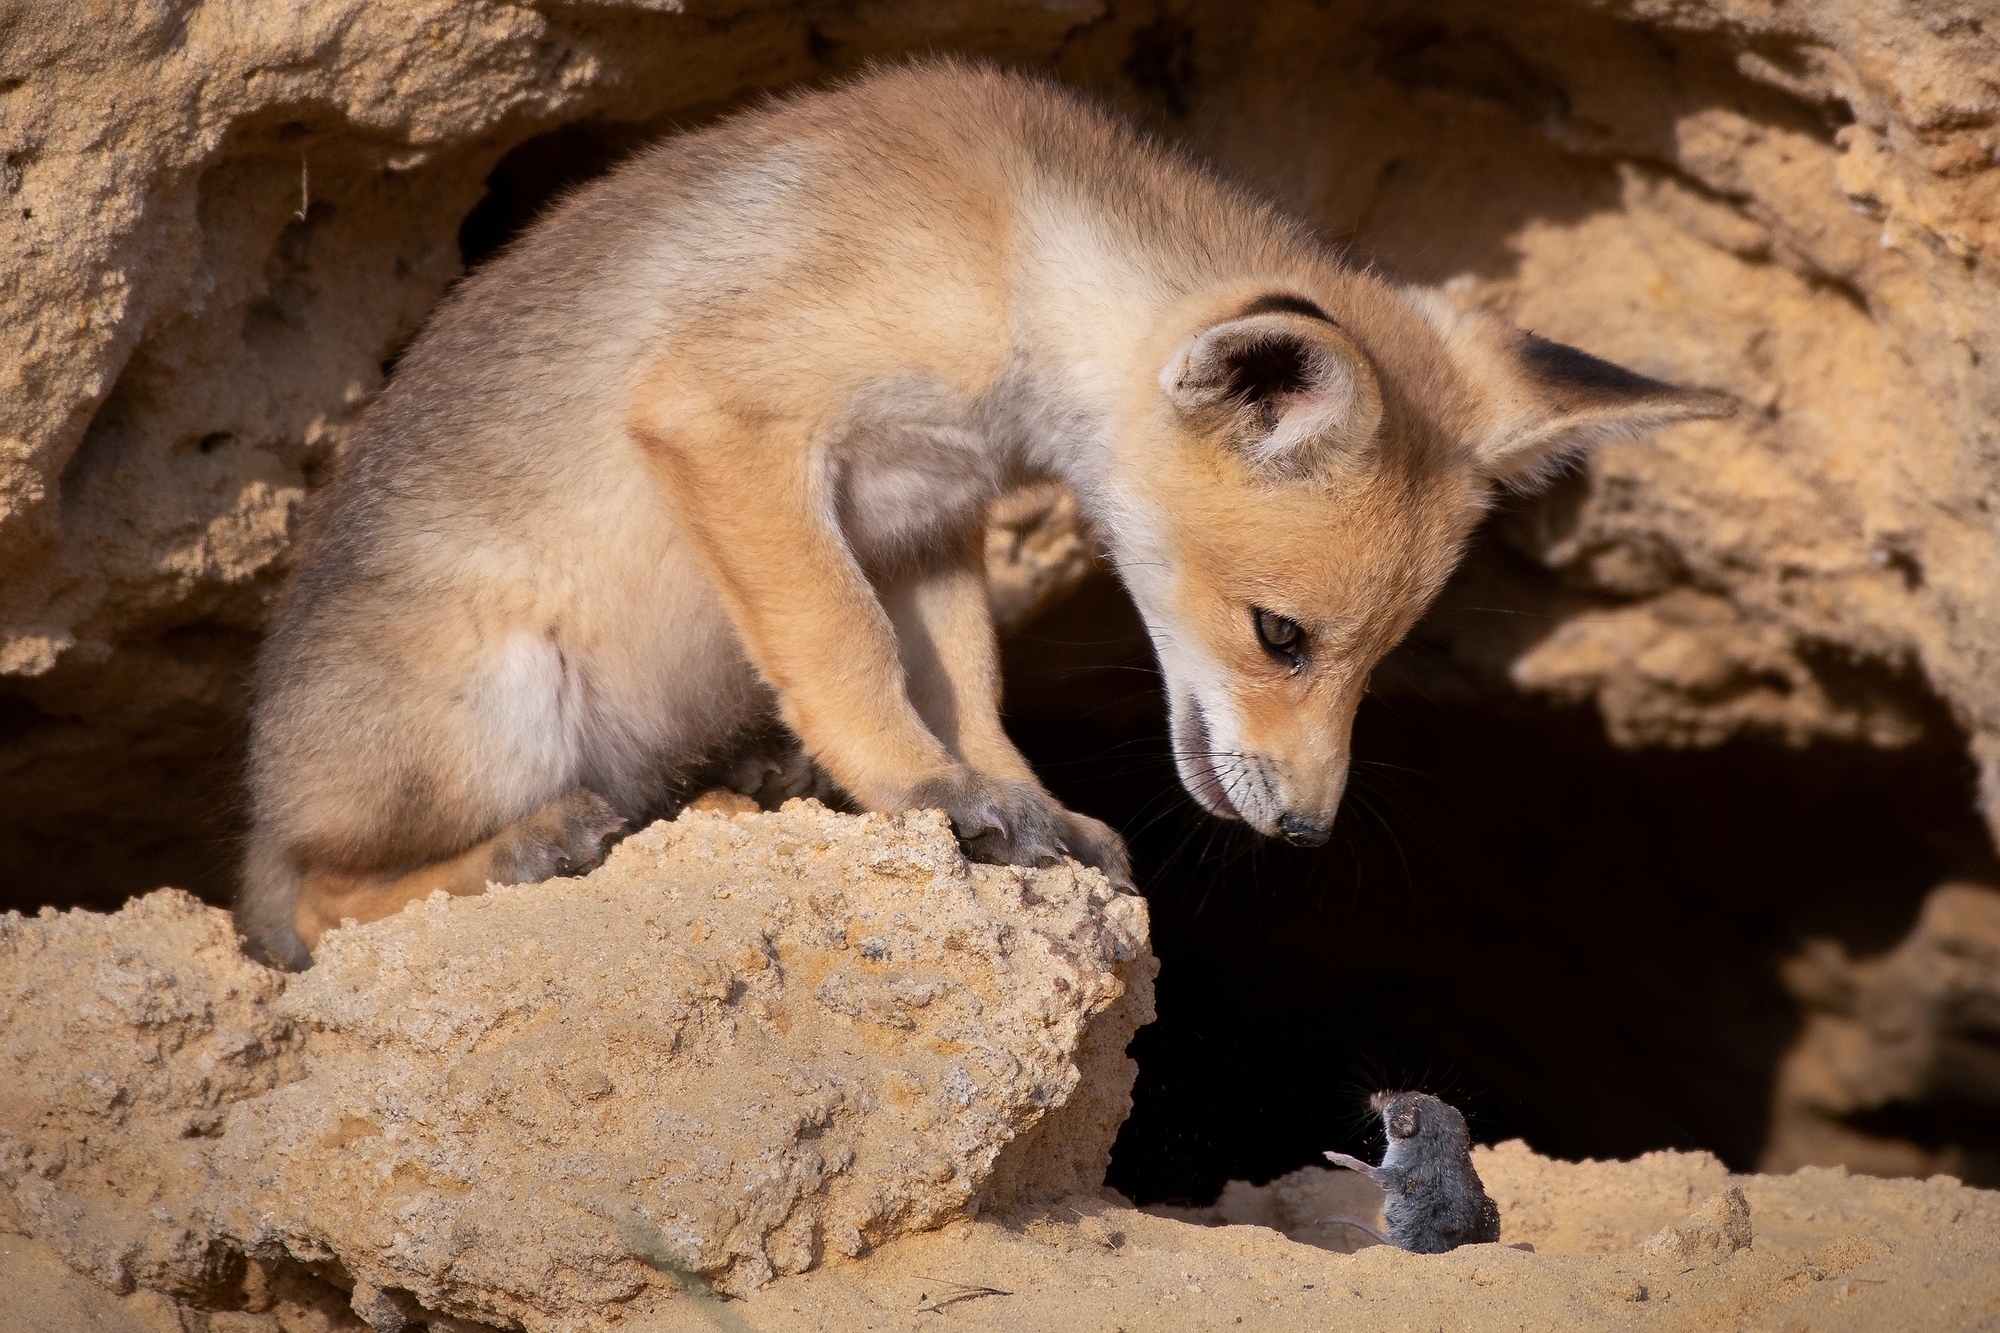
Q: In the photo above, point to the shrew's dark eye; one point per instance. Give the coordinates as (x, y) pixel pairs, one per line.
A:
(1281, 638)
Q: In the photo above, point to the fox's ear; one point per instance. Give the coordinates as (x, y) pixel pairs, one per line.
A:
(1296, 392)
(1541, 403)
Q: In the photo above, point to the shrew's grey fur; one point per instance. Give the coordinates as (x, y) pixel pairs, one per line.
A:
(1433, 1200)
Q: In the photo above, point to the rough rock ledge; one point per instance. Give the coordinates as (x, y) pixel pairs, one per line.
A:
(793, 1070)
(742, 1043)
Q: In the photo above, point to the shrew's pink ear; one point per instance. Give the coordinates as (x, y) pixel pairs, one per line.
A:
(1539, 403)
(1294, 392)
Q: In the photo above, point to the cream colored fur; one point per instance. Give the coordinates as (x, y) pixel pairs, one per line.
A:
(698, 466)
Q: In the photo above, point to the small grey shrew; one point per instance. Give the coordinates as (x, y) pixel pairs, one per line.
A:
(1434, 1200)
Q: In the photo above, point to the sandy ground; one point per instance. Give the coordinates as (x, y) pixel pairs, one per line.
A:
(1616, 1245)
(1613, 1247)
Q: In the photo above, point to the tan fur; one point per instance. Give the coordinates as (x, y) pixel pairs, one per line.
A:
(707, 451)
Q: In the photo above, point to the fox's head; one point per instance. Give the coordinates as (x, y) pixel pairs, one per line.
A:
(1301, 466)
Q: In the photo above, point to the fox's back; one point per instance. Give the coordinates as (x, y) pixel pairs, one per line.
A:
(889, 221)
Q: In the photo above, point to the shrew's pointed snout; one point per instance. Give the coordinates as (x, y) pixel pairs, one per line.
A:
(1305, 830)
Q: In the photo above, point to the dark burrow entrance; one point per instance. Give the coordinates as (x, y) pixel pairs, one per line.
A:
(1578, 944)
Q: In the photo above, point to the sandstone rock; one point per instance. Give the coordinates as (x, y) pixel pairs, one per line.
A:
(127, 1044)
(1037, 552)
(1315, 1205)
(1913, 1027)
(745, 1043)
(1713, 1232)
(44, 1293)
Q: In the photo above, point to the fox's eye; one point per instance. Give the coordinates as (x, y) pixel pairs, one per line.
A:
(1281, 637)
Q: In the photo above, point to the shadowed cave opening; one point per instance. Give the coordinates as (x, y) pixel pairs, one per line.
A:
(1576, 943)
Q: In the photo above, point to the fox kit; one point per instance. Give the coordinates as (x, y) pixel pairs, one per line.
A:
(704, 456)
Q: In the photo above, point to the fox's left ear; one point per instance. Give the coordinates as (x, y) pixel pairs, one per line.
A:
(1293, 392)
(1540, 403)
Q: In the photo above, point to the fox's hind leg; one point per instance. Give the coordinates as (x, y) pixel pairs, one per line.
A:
(564, 837)
(442, 755)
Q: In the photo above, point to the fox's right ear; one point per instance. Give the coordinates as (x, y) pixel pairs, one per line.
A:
(1293, 390)
(1540, 403)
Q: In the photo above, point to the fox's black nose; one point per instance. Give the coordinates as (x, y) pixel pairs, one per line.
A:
(1301, 831)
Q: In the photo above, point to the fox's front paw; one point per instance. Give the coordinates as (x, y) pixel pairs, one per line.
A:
(1000, 821)
(564, 837)
(1003, 821)
(1096, 843)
